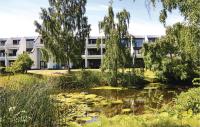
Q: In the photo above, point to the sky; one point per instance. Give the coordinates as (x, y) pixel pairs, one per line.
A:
(17, 16)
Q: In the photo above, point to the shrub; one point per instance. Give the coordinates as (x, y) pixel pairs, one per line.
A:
(21, 65)
(196, 81)
(2, 70)
(189, 101)
(82, 79)
(85, 79)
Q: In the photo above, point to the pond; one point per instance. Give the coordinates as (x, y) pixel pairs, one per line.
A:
(90, 103)
(135, 101)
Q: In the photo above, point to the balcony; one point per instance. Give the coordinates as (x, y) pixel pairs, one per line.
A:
(92, 41)
(2, 58)
(94, 51)
(12, 53)
(92, 56)
(12, 57)
(16, 42)
(29, 43)
(93, 44)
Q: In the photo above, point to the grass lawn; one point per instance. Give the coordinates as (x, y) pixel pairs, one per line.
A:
(149, 75)
(56, 72)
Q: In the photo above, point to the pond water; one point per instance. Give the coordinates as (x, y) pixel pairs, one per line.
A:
(88, 104)
(135, 101)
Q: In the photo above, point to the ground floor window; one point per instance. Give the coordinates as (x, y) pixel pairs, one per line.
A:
(11, 62)
(2, 63)
(94, 63)
(43, 65)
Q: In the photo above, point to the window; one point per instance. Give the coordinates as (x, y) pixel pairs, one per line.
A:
(92, 41)
(13, 52)
(151, 39)
(29, 39)
(11, 62)
(43, 65)
(125, 42)
(104, 51)
(139, 42)
(2, 53)
(16, 42)
(29, 50)
(138, 51)
(2, 43)
(94, 52)
(41, 41)
(2, 63)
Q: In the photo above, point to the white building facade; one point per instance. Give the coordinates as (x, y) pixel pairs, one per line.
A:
(10, 48)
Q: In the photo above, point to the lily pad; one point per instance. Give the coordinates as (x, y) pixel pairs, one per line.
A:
(109, 88)
(84, 119)
(117, 102)
(126, 110)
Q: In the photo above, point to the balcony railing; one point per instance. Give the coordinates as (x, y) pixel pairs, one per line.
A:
(12, 54)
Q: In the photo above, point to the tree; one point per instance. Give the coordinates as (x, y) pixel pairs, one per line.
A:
(64, 29)
(21, 65)
(188, 8)
(116, 54)
(176, 55)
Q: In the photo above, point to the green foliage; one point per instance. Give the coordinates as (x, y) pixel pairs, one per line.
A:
(148, 120)
(44, 54)
(2, 70)
(88, 79)
(26, 105)
(25, 101)
(64, 27)
(21, 65)
(189, 101)
(116, 55)
(80, 80)
(176, 55)
(98, 43)
(196, 81)
(189, 9)
(13, 82)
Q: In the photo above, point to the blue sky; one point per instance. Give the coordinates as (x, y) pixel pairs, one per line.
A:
(17, 16)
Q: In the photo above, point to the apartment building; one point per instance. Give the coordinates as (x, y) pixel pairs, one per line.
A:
(10, 48)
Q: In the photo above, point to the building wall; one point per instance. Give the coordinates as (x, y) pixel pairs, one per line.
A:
(92, 57)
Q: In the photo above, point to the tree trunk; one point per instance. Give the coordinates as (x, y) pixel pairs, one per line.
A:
(115, 74)
(68, 66)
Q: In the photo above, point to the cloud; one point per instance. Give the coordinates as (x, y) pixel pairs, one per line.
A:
(17, 25)
(100, 8)
(145, 28)
(96, 7)
(174, 18)
(136, 28)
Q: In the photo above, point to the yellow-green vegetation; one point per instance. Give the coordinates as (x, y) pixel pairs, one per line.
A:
(58, 72)
(41, 96)
(48, 72)
(85, 106)
(25, 101)
(147, 120)
(149, 74)
(19, 80)
(109, 88)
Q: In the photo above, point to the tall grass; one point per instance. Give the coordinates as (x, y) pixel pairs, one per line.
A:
(25, 101)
